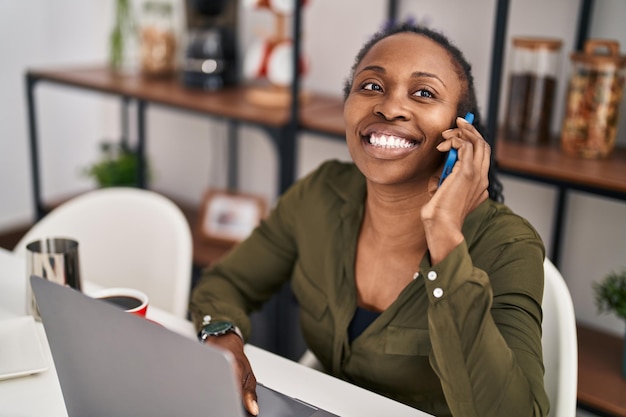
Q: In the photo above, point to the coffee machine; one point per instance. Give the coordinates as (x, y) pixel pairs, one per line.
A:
(210, 61)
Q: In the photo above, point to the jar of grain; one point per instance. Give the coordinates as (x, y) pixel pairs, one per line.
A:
(532, 85)
(594, 95)
(157, 38)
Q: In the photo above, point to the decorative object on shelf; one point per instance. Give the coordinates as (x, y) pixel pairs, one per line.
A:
(592, 107)
(271, 59)
(610, 297)
(228, 217)
(210, 61)
(157, 38)
(123, 39)
(117, 167)
(532, 87)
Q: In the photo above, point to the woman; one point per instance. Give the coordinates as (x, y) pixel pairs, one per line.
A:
(431, 296)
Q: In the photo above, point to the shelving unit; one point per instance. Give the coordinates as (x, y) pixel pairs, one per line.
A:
(228, 104)
(321, 115)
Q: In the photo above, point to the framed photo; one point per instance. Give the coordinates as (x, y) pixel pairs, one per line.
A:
(228, 217)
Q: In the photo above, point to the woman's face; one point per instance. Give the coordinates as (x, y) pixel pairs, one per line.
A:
(404, 94)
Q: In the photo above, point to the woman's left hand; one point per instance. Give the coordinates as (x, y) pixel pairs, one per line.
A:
(462, 191)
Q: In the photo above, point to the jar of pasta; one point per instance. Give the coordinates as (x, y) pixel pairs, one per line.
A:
(594, 95)
(157, 38)
(535, 65)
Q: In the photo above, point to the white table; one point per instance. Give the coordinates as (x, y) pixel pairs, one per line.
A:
(40, 394)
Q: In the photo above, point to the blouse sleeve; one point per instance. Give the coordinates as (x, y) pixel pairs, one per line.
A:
(485, 329)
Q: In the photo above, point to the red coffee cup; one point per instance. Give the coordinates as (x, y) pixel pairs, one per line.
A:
(129, 299)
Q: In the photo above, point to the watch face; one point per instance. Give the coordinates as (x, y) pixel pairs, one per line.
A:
(218, 327)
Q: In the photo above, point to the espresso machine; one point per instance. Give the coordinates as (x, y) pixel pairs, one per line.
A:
(210, 61)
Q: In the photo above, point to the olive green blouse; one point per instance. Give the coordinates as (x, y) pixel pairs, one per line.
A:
(463, 338)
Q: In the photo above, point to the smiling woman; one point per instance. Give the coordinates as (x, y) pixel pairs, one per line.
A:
(429, 295)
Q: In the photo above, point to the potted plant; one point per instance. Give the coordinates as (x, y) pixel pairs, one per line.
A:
(610, 297)
(118, 166)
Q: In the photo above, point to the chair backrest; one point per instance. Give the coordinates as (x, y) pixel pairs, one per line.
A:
(128, 237)
(560, 344)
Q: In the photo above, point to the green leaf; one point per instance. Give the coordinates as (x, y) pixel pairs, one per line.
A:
(610, 294)
(117, 167)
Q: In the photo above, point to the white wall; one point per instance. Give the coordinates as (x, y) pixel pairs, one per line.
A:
(188, 151)
(41, 32)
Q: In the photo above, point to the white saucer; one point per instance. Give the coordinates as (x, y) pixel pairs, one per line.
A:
(21, 352)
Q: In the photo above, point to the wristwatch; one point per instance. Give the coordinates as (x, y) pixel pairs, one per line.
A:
(216, 328)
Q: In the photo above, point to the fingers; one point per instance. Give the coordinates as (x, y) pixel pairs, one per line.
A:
(470, 145)
(232, 343)
(249, 394)
(463, 132)
(463, 190)
(474, 159)
(248, 383)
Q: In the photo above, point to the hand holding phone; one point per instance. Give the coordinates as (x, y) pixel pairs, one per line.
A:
(453, 154)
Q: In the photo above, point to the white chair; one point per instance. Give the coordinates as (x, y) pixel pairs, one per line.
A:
(128, 237)
(559, 341)
(560, 344)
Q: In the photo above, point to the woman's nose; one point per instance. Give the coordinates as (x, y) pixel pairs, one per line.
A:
(393, 107)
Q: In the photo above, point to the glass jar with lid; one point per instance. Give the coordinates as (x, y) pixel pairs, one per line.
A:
(532, 86)
(592, 108)
(157, 38)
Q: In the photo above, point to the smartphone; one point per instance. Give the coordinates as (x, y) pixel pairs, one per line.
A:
(453, 154)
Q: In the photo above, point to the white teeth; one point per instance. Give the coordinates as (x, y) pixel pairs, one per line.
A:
(388, 141)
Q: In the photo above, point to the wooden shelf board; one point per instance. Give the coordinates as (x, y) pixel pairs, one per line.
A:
(550, 162)
(229, 102)
(600, 383)
(324, 116)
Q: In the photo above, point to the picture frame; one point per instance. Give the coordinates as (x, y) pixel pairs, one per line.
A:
(227, 217)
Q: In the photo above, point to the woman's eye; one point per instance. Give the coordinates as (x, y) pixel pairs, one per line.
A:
(372, 87)
(423, 93)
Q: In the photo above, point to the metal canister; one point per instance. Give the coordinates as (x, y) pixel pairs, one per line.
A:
(595, 91)
(54, 259)
(535, 66)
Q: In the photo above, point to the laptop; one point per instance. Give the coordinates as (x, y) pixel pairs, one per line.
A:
(112, 363)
